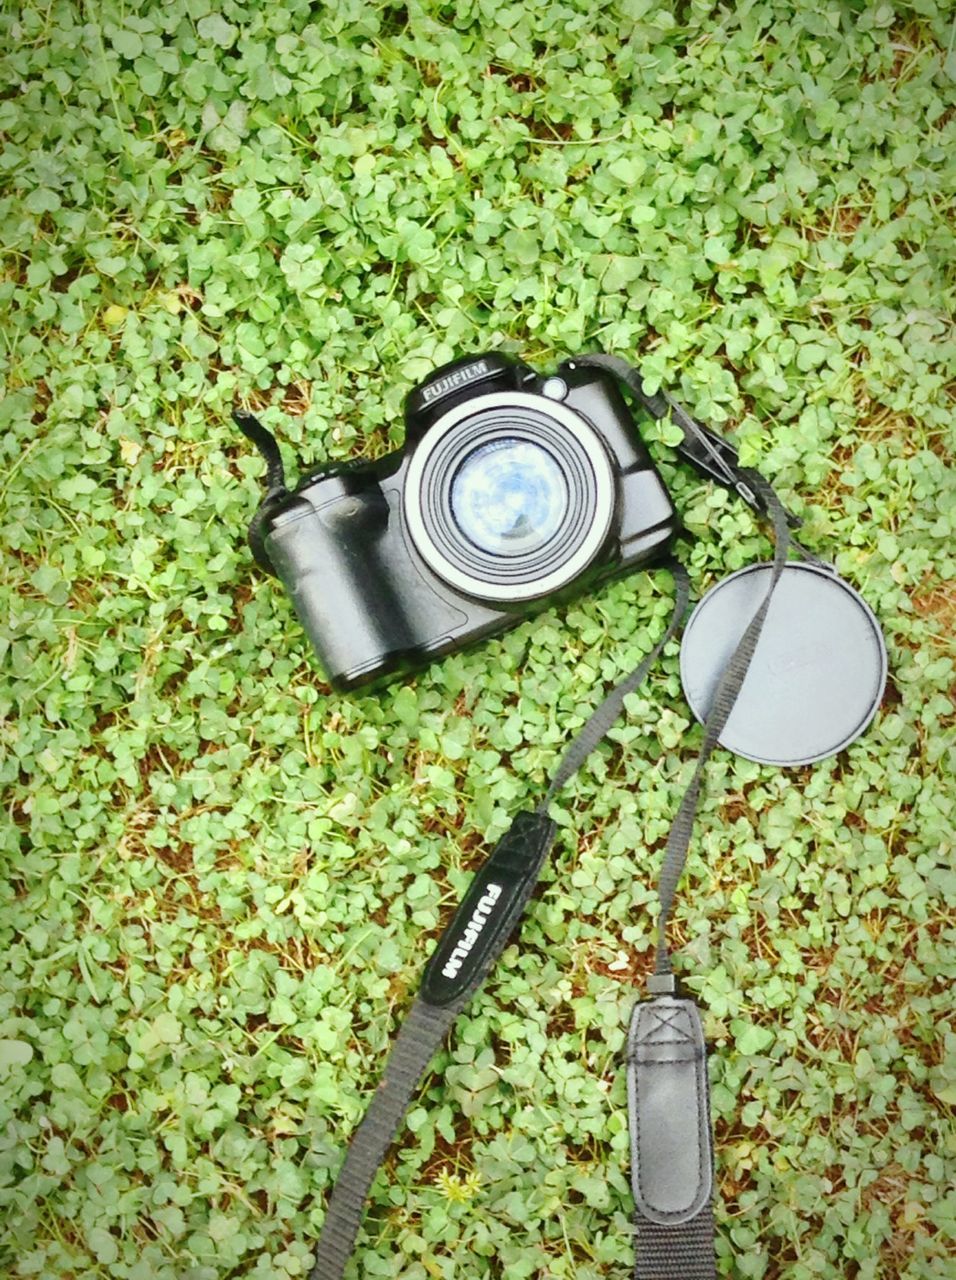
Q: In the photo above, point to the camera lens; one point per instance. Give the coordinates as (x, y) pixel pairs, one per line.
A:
(509, 497)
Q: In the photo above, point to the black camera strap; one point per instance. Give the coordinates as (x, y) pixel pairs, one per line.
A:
(668, 1094)
(468, 948)
(275, 484)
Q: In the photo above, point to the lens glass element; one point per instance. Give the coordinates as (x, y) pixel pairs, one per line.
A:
(509, 497)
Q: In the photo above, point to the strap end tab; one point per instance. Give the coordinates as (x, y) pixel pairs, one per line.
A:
(668, 1104)
(268, 446)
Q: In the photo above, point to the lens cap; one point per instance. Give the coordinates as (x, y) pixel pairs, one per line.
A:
(818, 673)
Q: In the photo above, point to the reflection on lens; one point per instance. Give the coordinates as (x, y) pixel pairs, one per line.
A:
(509, 497)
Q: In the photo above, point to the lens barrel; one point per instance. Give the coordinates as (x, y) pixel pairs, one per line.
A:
(507, 499)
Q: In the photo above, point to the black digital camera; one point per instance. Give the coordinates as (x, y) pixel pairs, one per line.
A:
(513, 491)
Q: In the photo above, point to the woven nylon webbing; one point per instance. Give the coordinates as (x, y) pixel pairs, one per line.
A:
(424, 1028)
(665, 1252)
(751, 483)
(725, 696)
(682, 1252)
(420, 1036)
(604, 716)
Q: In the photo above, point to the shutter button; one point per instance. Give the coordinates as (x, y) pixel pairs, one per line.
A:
(554, 388)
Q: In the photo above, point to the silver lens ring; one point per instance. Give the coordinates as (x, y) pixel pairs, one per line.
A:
(565, 439)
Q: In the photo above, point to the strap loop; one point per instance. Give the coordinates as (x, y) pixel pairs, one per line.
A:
(266, 443)
(708, 453)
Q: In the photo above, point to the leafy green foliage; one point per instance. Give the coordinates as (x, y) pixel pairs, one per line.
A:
(222, 880)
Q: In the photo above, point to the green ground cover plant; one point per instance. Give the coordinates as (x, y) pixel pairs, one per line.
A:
(222, 879)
